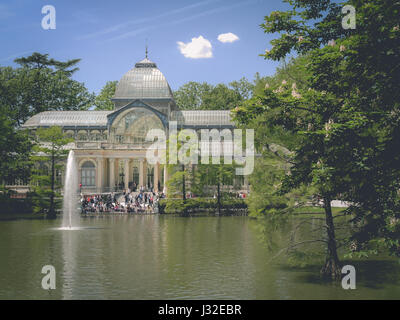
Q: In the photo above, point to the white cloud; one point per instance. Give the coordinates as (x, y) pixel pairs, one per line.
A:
(228, 37)
(196, 49)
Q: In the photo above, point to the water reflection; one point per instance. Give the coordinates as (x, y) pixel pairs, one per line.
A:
(167, 257)
(69, 250)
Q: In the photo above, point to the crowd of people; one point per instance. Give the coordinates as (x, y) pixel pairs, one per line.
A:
(128, 202)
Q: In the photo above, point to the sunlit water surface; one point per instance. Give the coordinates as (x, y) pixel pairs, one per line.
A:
(166, 257)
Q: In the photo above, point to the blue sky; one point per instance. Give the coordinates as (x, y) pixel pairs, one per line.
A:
(110, 36)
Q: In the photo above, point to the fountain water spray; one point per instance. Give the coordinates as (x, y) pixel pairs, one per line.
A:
(70, 202)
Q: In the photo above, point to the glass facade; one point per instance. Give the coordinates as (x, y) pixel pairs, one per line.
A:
(132, 126)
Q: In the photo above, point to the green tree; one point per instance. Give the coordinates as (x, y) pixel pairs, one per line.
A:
(49, 157)
(204, 96)
(41, 84)
(221, 98)
(190, 95)
(292, 71)
(243, 88)
(103, 99)
(346, 124)
(178, 176)
(15, 149)
(215, 175)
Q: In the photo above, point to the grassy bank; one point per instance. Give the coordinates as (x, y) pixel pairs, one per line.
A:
(316, 210)
(193, 205)
(178, 206)
(11, 209)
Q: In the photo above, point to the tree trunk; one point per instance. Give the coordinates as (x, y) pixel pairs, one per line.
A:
(184, 190)
(183, 184)
(219, 197)
(332, 268)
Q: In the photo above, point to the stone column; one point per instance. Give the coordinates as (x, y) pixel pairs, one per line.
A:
(112, 173)
(246, 183)
(100, 172)
(142, 173)
(156, 176)
(141, 178)
(145, 173)
(165, 179)
(126, 173)
(116, 172)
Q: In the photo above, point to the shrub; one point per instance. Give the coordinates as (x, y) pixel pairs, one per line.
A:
(198, 204)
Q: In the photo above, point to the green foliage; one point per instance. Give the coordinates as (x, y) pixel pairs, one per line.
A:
(15, 149)
(49, 158)
(103, 99)
(295, 70)
(343, 115)
(177, 179)
(243, 88)
(204, 96)
(41, 84)
(213, 175)
(189, 96)
(265, 181)
(10, 206)
(199, 205)
(275, 142)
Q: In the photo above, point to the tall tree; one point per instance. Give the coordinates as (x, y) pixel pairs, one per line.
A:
(204, 96)
(15, 149)
(49, 156)
(346, 124)
(243, 88)
(215, 175)
(103, 99)
(41, 84)
(190, 95)
(221, 98)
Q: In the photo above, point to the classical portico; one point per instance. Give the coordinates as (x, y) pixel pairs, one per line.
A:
(107, 173)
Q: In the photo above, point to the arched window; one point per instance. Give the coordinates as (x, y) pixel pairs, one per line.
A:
(82, 135)
(133, 125)
(95, 135)
(69, 134)
(88, 174)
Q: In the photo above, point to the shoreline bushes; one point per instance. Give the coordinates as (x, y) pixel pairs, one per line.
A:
(192, 205)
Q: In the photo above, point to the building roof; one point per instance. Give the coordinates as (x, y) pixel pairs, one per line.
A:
(203, 118)
(68, 118)
(190, 118)
(144, 81)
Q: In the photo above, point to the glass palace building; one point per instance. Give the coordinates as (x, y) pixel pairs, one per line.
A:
(110, 146)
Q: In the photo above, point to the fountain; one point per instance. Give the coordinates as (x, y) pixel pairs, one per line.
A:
(70, 202)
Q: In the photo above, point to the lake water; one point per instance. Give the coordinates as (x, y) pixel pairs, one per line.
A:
(167, 257)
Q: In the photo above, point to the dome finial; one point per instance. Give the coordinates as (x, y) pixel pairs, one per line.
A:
(147, 51)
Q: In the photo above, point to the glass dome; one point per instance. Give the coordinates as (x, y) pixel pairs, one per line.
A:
(144, 81)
